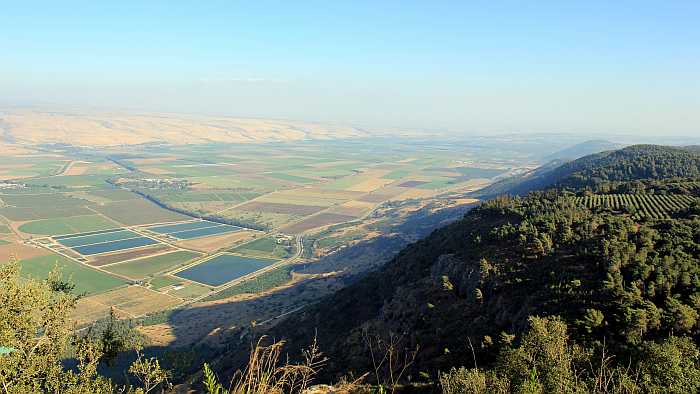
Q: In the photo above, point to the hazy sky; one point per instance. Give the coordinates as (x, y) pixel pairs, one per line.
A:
(491, 66)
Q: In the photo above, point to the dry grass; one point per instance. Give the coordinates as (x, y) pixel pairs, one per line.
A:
(266, 374)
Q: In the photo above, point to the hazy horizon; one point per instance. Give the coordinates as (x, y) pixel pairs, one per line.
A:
(587, 68)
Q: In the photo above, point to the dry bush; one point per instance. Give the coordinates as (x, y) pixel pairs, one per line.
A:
(266, 374)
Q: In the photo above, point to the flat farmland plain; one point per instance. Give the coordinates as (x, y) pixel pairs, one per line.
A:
(134, 300)
(24, 207)
(86, 280)
(141, 268)
(217, 242)
(223, 269)
(67, 225)
(136, 212)
(288, 209)
(177, 227)
(111, 258)
(317, 221)
(97, 195)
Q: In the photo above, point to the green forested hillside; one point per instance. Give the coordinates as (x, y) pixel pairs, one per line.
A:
(542, 292)
(636, 162)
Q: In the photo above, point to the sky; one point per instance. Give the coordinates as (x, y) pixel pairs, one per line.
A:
(467, 66)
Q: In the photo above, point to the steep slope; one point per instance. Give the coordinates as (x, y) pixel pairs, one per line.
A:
(613, 277)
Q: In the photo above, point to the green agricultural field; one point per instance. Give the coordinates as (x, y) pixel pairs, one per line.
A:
(4, 229)
(347, 182)
(190, 290)
(21, 207)
(4, 242)
(37, 166)
(329, 242)
(438, 183)
(134, 212)
(138, 269)
(68, 225)
(43, 212)
(221, 182)
(114, 194)
(263, 247)
(86, 280)
(237, 182)
(206, 196)
(179, 171)
(162, 281)
(33, 200)
(397, 174)
(327, 172)
(69, 181)
(264, 219)
(290, 178)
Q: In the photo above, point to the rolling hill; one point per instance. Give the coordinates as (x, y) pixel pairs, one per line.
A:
(524, 273)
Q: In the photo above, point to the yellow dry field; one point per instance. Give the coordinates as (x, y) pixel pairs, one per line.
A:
(6, 171)
(154, 160)
(110, 129)
(155, 170)
(329, 164)
(21, 251)
(475, 184)
(133, 300)
(353, 208)
(310, 196)
(76, 168)
(6, 177)
(88, 310)
(415, 193)
(8, 167)
(12, 150)
(370, 185)
(211, 244)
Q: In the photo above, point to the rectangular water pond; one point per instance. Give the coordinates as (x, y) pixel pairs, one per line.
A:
(223, 269)
(176, 227)
(113, 246)
(97, 238)
(203, 232)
